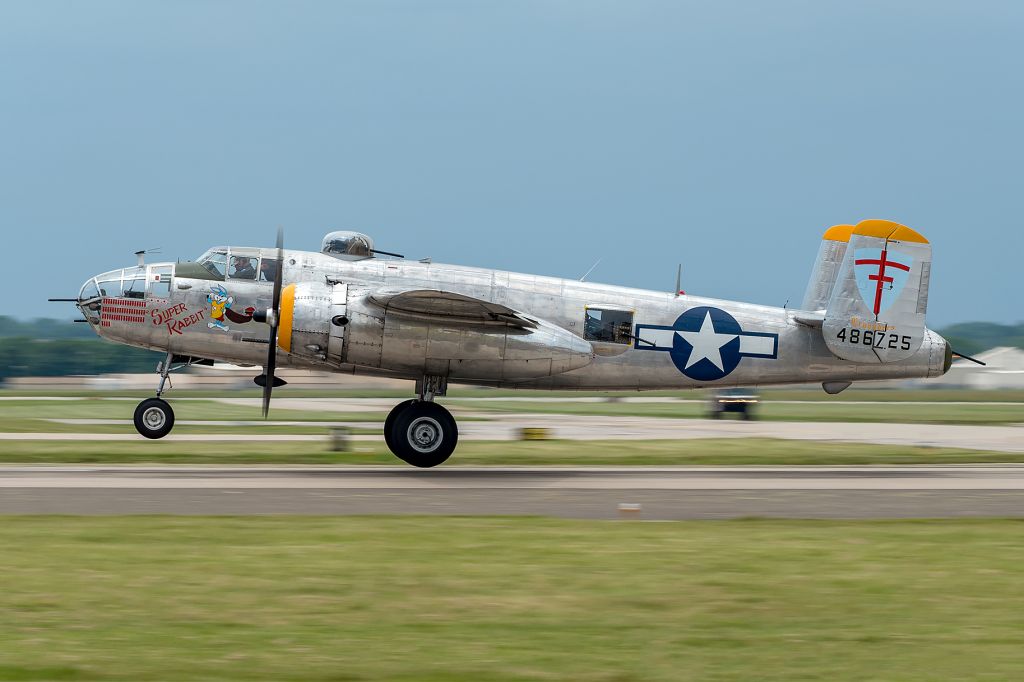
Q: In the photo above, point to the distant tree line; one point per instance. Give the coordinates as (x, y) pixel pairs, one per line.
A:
(45, 347)
(975, 337)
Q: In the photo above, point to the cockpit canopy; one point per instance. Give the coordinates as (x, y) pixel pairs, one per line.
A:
(347, 245)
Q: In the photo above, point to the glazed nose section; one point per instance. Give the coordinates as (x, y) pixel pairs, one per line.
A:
(89, 291)
(89, 300)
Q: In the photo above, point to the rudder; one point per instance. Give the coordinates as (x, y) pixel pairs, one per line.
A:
(876, 309)
(826, 267)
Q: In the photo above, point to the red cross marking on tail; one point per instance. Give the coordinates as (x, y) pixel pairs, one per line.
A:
(879, 278)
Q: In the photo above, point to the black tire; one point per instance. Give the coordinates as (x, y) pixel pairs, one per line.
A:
(390, 421)
(154, 418)
(423, 434)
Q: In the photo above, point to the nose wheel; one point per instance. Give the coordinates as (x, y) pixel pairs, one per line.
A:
(421, 433)
(154, 418)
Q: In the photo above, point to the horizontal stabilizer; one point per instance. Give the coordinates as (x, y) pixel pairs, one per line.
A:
(877, 307)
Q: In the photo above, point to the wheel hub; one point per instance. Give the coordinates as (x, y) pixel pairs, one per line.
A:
(425, 434)
(154, 418)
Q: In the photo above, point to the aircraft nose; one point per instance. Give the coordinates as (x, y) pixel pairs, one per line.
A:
(89, 291)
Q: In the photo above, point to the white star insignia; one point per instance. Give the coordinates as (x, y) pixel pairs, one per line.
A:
(707, 343)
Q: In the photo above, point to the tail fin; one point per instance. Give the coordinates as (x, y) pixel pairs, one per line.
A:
(826, 267)
(877, 306)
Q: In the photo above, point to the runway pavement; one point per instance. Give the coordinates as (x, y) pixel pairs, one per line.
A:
(648, 493)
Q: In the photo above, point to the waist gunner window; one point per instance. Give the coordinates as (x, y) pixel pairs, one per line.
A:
(608, 325)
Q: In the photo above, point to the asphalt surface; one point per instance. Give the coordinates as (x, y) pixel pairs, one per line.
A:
(647, 493)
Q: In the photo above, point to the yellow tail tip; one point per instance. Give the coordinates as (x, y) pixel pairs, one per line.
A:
(887, 229)
(838, 233)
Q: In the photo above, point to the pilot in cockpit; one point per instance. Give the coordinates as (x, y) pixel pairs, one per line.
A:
(268, 270)
(242, 268)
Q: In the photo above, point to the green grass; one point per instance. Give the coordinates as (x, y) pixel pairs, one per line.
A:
(711, 451)
(34, 416)
(99, 408)
(769, 410)
(508, 600)
(28, 415)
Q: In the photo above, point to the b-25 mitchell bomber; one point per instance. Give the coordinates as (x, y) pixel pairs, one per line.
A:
(345, 310)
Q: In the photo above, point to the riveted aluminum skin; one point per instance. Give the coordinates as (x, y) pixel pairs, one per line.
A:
(783, 348)
(310, 324)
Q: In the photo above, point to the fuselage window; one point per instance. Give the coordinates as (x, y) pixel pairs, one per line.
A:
(609, 326)
(242, 267)
(160, 281)
(135, 287)
(268, 269)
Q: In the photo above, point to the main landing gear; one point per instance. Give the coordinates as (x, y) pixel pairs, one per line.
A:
(420, 432)
(154, 418)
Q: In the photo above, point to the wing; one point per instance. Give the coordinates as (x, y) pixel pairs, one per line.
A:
(449, 307)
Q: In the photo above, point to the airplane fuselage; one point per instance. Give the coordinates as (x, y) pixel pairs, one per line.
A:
(649, 339)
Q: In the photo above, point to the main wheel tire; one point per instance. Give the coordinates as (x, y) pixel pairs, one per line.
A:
(424, 434)
(390, 421)
(154, 418)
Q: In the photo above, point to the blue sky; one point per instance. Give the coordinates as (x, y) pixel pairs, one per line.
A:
(531, 136)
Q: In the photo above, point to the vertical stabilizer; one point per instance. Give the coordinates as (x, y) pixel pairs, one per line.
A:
(876, 309)
(826, 267)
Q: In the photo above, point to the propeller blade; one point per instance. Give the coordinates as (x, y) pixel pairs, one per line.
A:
(268, 385)
(270, 379)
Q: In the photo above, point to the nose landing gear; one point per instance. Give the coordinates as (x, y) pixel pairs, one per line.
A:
(421, 432)
(154, 417)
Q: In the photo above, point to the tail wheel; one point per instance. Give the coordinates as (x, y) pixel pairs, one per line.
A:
(154, 418)
(423, 434)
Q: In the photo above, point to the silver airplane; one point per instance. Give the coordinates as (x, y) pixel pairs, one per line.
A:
(345, 310)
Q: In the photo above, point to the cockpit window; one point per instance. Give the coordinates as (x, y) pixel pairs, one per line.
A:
(215, 261)
(610, 326)
(243, 267)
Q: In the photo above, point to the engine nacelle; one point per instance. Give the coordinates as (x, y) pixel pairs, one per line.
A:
(338, 324)
(304, 325)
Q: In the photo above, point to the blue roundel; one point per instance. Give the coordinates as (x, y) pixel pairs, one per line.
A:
(706, 345)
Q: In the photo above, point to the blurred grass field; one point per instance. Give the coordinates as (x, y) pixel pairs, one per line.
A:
(34, 415)
(775, 410)
(509, 600)
(704, 451)
(25, 415)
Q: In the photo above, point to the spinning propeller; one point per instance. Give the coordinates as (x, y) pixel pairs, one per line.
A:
(272, 317)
